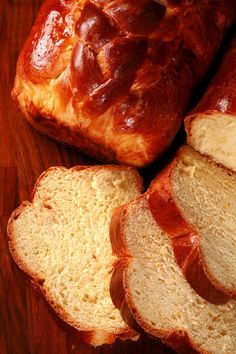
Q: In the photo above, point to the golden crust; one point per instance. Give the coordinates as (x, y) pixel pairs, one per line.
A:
(110, 86)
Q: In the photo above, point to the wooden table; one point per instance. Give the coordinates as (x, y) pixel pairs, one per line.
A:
(27, 324)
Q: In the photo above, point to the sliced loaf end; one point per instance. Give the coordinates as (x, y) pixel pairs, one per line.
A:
(156, 292)
(61, 240)
(214, 134)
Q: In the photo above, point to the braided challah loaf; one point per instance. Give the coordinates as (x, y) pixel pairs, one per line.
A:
(113, 78)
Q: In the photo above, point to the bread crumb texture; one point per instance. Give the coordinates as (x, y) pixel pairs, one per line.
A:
(206, 196)
(215, 135)
(61, 240)
(160, 298)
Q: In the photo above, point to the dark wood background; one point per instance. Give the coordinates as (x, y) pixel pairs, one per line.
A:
(27, 324)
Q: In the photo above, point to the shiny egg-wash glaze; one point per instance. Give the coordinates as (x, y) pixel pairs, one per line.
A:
(114, 78)
(221, 94)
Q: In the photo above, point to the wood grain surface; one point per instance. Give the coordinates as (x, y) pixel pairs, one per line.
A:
(27, 324)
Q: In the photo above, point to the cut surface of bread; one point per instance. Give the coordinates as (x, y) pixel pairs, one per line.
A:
(199, 199)
(214, 134)
(61, 240)
(113, 78)
(157, 294)
(211, 127)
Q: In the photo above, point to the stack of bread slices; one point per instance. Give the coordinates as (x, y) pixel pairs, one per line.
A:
(171, 264)
(177, 242)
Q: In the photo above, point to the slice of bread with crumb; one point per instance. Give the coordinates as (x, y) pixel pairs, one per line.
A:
(156, 292)
(61, 240)
(194, 201)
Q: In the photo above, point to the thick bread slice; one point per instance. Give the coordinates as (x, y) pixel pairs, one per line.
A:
(194, 201)
(61, 240)
(157, 294)
(211, 128)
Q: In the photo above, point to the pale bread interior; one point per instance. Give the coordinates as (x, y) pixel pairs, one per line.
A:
(206, 196)
(63, 239)
(158, 294)
(215, 135)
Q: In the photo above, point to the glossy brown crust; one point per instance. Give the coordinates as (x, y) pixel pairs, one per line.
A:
(126, 71)
(64, 134)
(186, 241)
(220, 96)
(88, 336)
(120, 293)
(50, 35)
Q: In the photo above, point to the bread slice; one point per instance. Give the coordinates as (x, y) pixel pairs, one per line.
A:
(211, 128)
(61, 240)
(158, 296)
(194, 201)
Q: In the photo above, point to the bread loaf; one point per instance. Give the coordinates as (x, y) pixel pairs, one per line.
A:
(113, 78)
(61, 240)
(211, 127)
(155, 292)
